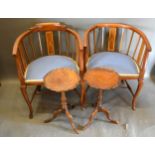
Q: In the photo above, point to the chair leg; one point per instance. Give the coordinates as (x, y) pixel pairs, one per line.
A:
(24, 92)
(83, 94)
(129, 88)
(140, 84)
(69, 116)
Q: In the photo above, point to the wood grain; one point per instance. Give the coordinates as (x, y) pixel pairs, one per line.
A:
(50, 42)
(112, 39)
(62, 79)
(131, 37)
(36, 47)
(102, 78)
(140, 52)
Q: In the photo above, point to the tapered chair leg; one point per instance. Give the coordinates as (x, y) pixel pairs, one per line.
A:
(24, 92)
(140, 84)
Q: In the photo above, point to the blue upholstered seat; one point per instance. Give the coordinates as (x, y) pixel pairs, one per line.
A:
(124, 65)
(37, 69)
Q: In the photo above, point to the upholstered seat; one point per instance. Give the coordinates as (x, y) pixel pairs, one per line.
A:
(37, 69)
(122, 64)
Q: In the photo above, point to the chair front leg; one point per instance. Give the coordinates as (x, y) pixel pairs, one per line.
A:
(29, 103)
(139, 87)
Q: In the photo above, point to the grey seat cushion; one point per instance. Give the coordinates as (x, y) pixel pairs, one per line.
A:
(37, 69)
(124, 65)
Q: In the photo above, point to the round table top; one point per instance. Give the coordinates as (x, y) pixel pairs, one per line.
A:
(62, 79)
(102, 78)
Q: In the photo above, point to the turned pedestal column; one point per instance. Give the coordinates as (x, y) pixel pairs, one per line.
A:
(62, 80)
(101, 79)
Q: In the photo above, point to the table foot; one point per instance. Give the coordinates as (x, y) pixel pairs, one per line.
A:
(54, 115)
(107, 113)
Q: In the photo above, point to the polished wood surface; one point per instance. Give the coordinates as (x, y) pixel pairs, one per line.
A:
(50, 43)
(41, 40)
(112, 39)
(63, 108)
(56, 38)
(102, 78)
(113, 42)
(62, 79)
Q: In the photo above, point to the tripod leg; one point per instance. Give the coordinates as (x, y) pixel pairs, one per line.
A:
(54, 115)
(69, 116)
(94, 113)
(107, 113)
(91, 118)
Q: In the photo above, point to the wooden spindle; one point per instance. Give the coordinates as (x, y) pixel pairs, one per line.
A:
(128, 50)
(112, 39)
(59, 42)
(140, 52)
(98, 41)
(89, 47)
(102, 39)
(77, 51)
(121, 40)
(74, 51)
(40, 43)
(25, 51)
(32, 45)
(68, 43)
(19, 64)
(50, 42)
(94, 40)
(136, 47)
(22, 60)
(144, 55)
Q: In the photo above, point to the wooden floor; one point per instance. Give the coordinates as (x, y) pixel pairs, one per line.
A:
(14, 119)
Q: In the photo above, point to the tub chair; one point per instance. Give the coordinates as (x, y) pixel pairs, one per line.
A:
(120, 47)
(40, 49)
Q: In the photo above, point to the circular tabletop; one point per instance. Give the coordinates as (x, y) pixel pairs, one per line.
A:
(62, 79)
(102, 78)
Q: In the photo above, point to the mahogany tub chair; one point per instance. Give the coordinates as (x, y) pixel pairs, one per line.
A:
(120, 47)
(37, 51)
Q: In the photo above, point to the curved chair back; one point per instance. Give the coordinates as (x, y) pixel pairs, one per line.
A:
(46, 39)
(121, 38)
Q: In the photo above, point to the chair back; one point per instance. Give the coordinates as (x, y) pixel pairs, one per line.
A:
(121, 38)
(46, 39)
